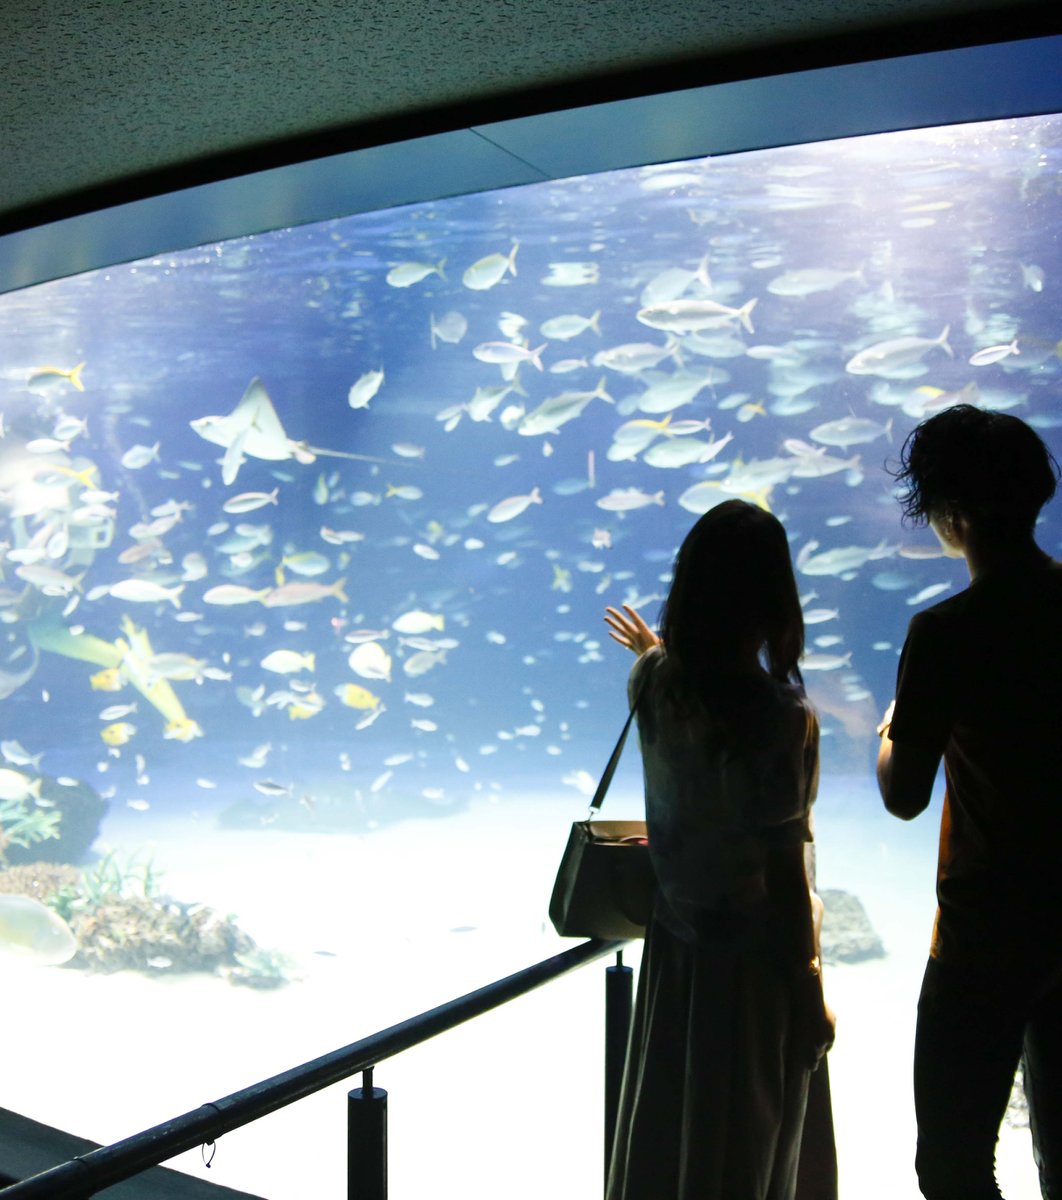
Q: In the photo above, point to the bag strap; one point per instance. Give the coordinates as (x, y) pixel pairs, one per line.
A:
(613, 762)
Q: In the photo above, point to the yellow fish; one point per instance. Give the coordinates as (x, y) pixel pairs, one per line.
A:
(71, 374)
(107, 680)
(183, 729)
(117, 734)
(562, 579)
(354, 695)
(302, 712)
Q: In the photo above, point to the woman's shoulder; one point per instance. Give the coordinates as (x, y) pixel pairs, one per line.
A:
(784, 705)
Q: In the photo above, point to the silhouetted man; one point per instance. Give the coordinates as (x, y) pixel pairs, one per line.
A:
(980, 683)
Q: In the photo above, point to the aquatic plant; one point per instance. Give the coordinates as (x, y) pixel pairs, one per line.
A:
(110, 877)
(109, 880)
(24, 826)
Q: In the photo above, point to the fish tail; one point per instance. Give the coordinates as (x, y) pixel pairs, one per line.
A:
(34, 788)
(439, 269)
(943, 340)
(535, 355)
(761, 498)
(536, 496)
(702, 273)
(74, 375)
(175, 595)
(431, 327)
(338, 590)
(745, 311)
(311, 659)
(512, 258)
(600, 392)
(595, 323)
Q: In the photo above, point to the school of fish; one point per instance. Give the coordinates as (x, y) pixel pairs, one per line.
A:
(409, 548)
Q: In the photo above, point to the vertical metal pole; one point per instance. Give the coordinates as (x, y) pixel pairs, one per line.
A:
(618, 1004)
(367, 1141)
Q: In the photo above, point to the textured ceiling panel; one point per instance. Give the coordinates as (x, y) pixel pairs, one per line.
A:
(107, 90)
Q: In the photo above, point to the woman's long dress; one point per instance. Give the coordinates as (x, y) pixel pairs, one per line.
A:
(715, 1092)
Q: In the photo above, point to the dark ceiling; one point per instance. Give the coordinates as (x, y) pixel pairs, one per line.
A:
(111, 100)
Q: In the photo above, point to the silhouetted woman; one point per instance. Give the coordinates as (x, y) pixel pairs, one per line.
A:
(729, 1022)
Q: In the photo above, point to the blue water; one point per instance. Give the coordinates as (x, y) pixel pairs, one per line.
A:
(928, 230)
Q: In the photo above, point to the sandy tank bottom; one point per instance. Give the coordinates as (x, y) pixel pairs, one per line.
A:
(385, 925)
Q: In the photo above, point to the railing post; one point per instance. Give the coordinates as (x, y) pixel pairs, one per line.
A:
(618, 992)
(367, 1141)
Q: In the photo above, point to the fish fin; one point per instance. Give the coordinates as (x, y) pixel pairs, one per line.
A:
(74, 375)
(338, 592)
(943, 340)
(320, 450)
(745, 317)
(595, 323)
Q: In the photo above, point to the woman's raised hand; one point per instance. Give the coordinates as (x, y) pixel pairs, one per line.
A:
(630, 630)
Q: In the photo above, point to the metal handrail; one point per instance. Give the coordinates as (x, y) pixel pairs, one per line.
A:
(89, 1173)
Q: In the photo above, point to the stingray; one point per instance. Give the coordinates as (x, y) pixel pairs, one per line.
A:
(254, 429)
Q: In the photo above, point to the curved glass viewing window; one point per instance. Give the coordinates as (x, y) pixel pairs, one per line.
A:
(307, 537)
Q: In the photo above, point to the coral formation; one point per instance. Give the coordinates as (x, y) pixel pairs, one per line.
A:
(847, 934)
(121, 922)
(22, 826)
(60, 828)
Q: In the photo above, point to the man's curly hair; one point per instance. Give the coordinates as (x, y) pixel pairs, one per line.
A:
(989, 467)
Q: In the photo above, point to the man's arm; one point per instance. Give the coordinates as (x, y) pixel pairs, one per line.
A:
(905, 775)
(925, 703)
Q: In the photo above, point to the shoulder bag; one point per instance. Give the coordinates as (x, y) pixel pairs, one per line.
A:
(605, 883)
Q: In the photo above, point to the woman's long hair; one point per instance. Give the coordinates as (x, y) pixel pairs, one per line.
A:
(733, 586)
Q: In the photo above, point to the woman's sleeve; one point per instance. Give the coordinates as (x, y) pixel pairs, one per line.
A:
(790, 778)
(811, 760)
(640, 672)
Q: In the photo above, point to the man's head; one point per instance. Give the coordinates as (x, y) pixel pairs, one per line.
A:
(988, 468)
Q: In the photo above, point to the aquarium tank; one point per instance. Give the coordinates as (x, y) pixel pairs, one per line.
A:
(307, 538)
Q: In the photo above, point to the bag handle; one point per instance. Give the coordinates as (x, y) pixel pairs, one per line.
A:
(613, 762)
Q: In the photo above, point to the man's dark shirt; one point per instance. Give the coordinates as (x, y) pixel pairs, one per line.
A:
(980, 680)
